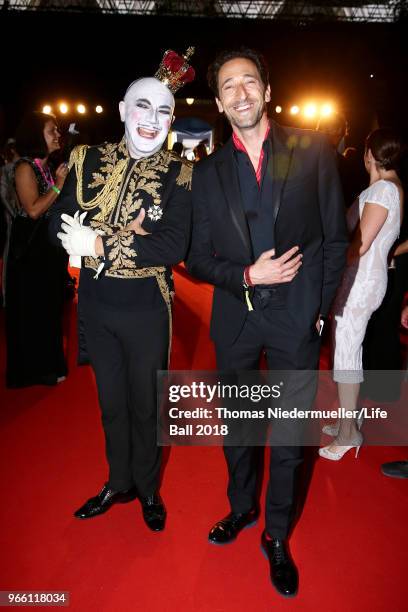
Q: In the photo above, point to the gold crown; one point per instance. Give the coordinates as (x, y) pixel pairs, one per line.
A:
(174, 70)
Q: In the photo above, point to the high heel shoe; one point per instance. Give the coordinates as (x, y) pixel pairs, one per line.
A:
(326, 453)
(333, 430)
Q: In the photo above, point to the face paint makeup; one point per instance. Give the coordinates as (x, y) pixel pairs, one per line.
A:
(147, 112)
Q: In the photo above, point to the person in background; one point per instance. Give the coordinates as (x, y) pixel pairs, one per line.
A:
(200, 151)
(35, 280)
(178, 148)
(350, 168)
(9, 200)
(382, 358)
(374, 223)
(398, 469)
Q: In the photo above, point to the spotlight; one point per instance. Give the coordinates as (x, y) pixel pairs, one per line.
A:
(99, 109)
(294, 110)
(371, 76)
(81, 109)
(278, 109)
(326, 110)
(190, 101)
(63, 108)
(47, 109)
(310, 110)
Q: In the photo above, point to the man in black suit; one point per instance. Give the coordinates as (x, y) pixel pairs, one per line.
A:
(269, 232)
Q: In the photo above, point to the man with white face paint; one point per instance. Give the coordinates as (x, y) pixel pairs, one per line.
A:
(147, 111)
(125, 211)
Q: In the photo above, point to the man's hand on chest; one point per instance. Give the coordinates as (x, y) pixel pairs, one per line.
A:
(136, 224)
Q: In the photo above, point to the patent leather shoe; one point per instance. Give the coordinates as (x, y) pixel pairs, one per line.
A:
(227, 529)
(395, 469)
(102, 502)
(284, 575)
(154, 512)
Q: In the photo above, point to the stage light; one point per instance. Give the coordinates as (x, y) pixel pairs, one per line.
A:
(99, 109)
(310, 110)
(47, 109)
(371, 76)
(294, 109)
(278, 109)
(190, 101)
(326, 110)
(63, 108)
(81, 109)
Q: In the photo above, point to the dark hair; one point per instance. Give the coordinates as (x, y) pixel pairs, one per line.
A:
(30, 141)
(386, 147)
(178, 147)
(225, 56)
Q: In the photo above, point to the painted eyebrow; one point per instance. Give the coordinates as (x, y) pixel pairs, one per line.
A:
(145, 101)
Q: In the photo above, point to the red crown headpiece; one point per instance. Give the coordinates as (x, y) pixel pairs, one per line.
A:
(174, 70)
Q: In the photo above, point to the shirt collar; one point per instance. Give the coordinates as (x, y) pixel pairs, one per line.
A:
(239, 145)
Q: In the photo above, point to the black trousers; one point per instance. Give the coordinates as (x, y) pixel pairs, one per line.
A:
(287, 347)
(126, 349)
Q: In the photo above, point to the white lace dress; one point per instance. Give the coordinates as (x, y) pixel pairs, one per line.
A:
(364, 283)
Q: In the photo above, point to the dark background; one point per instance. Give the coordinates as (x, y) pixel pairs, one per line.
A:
(93, 57)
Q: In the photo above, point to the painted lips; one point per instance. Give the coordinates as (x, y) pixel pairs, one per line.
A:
(147, 133)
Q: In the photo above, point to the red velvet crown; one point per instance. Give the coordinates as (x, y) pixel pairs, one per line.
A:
(174, 70)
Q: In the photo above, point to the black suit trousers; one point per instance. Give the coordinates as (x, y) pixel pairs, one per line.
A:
(126, 348)
(287, 347)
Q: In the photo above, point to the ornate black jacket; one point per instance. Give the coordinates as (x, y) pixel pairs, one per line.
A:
(112, 187)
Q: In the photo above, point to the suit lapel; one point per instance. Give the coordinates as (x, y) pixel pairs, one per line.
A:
(279, 164)
(230, 187)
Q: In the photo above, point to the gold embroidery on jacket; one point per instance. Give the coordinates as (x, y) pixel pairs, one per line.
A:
(109, 178)
(122, 252)
(185, 176)
(119, 198)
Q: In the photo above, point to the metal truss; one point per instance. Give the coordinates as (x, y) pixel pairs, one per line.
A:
(292, 10)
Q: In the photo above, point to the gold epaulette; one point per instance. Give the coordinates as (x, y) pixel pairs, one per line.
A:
(77, 153)
(186, 171)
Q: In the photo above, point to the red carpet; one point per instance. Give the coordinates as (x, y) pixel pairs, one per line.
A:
(350, 544)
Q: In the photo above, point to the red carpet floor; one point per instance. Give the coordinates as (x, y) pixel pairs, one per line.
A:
(350, 544)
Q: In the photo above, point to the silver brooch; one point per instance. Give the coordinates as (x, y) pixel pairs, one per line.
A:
(155, 212)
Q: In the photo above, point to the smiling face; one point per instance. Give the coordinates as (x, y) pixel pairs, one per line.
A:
(147, 112)
(241, 93)
(51, 136)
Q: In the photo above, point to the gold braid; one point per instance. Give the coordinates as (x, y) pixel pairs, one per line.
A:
(108, 196)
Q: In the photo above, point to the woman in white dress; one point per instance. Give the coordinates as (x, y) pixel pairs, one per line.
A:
(374, 222)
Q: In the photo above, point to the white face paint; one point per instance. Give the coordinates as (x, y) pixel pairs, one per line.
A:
(147, 112)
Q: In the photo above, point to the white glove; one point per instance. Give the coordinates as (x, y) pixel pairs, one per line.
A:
(77, 239)
(75, 261)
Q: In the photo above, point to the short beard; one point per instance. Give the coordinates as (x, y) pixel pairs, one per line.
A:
(251, 122)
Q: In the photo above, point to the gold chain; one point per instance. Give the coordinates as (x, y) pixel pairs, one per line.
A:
(107, 197)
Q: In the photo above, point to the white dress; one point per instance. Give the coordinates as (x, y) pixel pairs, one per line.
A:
(364, 283)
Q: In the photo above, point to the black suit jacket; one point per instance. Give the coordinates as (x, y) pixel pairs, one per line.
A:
(308, 212)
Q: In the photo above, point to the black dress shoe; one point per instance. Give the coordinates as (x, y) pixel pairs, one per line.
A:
(395, 469)
(284, 574)
(103, 501)
(154, 512)
(227, 529)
